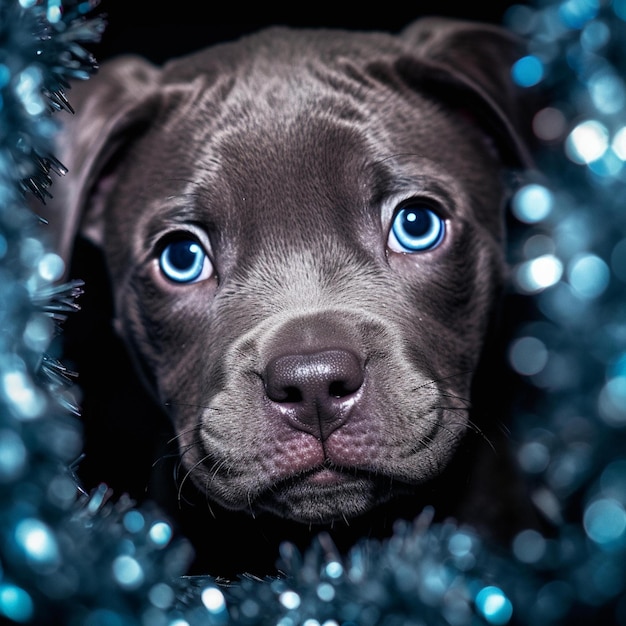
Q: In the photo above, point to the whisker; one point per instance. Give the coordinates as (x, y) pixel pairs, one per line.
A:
(455, 437)
(425, 444)
(434, 381)
(185, 449)
(178, 454)
(250, 509)
(470, 424)
(452, 396)
(461, 409)
(183, 452)
(188, 474)
(163, 458)
(196, 406)
(217, 467)
(181, 465)
(208, 500)
(197, 427)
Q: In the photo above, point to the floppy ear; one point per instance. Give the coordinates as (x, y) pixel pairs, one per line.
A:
(120, 98)
(469, 65)
(119, 416)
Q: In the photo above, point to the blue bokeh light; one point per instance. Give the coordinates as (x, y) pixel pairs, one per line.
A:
(290, 600)
(532, 203)
(38, 543)
(588, 275)
(527, 71)
(128, 572)
(213, 600)
(528, 355)
(612, 402)
(534, 457)
(162, 596)
(325, 592)
(587, 142)
(595, 35)
(15, 603)
(605, 521)
(134, 521)
(334, 569)
(13, 455)
(576, 13)
(494, 606)
(160, 534)
(538, 274)
(607, 91)
(54, 11)
(529, 546)
(28, 90)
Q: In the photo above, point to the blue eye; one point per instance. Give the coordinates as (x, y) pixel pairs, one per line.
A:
(185, 261)
(416, 228)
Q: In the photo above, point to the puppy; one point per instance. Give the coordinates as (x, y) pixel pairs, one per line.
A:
(302, 234)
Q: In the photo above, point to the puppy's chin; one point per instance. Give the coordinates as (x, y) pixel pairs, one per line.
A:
(325, 495)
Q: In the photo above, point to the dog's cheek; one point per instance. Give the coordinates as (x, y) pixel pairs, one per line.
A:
(452, 293)
(160, 326)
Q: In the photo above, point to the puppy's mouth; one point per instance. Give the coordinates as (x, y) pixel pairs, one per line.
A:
(324, 476)
(326, 493)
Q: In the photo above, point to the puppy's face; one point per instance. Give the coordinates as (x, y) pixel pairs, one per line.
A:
(305, 249)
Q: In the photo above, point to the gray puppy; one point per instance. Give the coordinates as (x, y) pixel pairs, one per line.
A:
(303, 233)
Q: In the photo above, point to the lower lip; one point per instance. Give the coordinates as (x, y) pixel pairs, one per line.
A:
(325, 477)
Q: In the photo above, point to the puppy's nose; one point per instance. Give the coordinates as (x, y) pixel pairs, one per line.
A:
(316, 391)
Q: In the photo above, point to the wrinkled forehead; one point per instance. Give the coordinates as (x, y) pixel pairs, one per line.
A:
(310, 126)
(312, 145)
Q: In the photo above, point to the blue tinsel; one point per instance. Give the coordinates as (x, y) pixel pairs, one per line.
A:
(68, 558)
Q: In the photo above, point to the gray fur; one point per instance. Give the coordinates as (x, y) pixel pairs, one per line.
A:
(285, 154)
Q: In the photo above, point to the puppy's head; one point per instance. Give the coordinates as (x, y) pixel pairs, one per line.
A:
(303, 231)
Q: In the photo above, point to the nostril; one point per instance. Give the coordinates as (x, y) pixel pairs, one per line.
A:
(340, 389)
(290, 394)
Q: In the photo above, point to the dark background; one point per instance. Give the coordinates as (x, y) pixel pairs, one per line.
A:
(162, 30)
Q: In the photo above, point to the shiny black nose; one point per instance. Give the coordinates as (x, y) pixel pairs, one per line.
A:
(315, 392)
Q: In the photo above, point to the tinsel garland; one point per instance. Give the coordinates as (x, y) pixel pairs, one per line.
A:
(71, 558)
